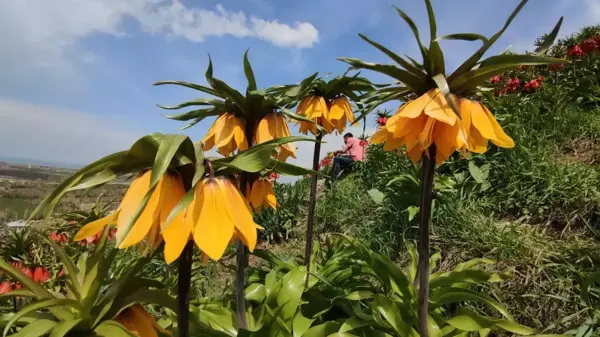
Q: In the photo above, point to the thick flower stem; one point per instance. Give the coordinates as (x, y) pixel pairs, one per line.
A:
(427, 174)
(311, 205)
(183, 290)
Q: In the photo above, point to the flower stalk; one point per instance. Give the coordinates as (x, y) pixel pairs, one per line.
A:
(427, 174)
(183, 290)
(312, 203)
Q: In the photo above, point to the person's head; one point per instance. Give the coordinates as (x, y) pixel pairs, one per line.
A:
(347, 135)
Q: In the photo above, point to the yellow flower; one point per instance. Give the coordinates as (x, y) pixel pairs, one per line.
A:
(137, 320)
(340, 113)
(420, 123)
(217, 213)
(314, 108)
(480, 126)
(166, 195)
(274, 126)
(227, 133)
(262, 195)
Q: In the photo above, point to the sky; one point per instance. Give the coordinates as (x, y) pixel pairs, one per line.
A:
(77, 74)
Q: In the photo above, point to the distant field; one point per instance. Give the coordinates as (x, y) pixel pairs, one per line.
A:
(28, 174)
(15, 209)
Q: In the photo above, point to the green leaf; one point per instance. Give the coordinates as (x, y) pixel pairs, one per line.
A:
(228, 92)
(197, 102)
(475, 172)
(112, 329)
(249, 73)
(415, 31)
(49, 203)
(291, 170)
(39, 291)
(101, 178)
(290, 294)
(301, 324)
(18, 293)
(456, 295)
(251, 161)
(463, 37)
(323, 330)
(37, 328)
(398, 59)
(70, 268)
(414, 260)
(432, 23)
(376, 195)
(468, 320)
(217, 317)
(191, 86)
(410, 80)
(520, 60)
(353, 323)
(436, 59)
(63, 327)
(196, 115)
(167, 149)
(585, 287)
(42, 304)
(255, 292)
(549, 39)
(391, 314)
(472, 61)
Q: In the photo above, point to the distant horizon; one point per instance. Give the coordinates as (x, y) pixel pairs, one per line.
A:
(30, 161)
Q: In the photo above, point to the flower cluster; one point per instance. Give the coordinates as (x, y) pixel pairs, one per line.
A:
(512, 85)
(274, 176)
(59, 237)
(587, 46)
(381, 120)
(429, 120)
(496, 79)
(326, 162)
(533, 85)
(38, 274)
(330, 114)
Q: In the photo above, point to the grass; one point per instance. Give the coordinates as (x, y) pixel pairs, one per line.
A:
(15, 208)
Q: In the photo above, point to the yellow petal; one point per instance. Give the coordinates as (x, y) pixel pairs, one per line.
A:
(481, 121)
(380, 136)
(214, 227)
(439, 109)
(131, 200)
(239, 212)
(149, 217)
(265, 131)
(426, 136)
(337, 109)
(445, 141)
(177, 234)
(502, 139)
(94, 227)
(392, 144)
(414, 109)
(256, 194)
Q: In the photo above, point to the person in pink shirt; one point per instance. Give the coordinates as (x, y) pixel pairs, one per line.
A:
(351, 153)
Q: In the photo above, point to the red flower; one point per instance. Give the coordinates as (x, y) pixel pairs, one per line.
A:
(274, 176)
(523, 67)
(495, 79)
(28, 272)
(17, 264)
(381, 121)
(41, 275)
(589, 46)
(325, 162)
(62, 237)
(532, 85)
(540, 78)
(61, 273)
(575, 51)
(17, 285)
(111, 233)
(363, 143)
(5, 288)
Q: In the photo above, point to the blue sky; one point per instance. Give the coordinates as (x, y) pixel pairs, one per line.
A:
(77, 74)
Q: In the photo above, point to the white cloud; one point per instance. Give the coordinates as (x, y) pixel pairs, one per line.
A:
(41, 33)
(58, 135)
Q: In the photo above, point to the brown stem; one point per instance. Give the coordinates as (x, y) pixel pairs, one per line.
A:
(311, 205)
(427, 174)
(209, 167)
(183, 290)
(241, 253)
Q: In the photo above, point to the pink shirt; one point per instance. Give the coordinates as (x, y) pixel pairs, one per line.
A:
(354, 149)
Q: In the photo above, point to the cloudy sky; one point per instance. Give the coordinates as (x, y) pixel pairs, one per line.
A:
(77, 74)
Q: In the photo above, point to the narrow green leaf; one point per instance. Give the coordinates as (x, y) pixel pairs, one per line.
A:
(209, 73)
(432, 23)
(397, 58)
(199, 114)
(463, 37)
(323, 330)
(401, 75)
(18, 293)
(103, 177)
(301, 324)
(353, 323)
(38, 328)
(167, 149)
(191, 86)
(549, 39)
(197, 102)
(415, 31)
(516, 59)
(468, 320)
(472, 61)
(290, 169)
(228, 92)
(249, 73)
(43, 304)
(475, 172)
(70, 268)
(63, 327)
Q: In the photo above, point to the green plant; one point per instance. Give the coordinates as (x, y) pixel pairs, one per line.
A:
(89, 302)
